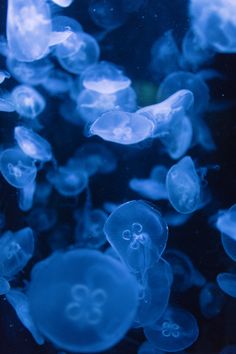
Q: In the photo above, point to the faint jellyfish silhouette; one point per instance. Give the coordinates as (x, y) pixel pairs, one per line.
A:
(211, 300)
(227, 283)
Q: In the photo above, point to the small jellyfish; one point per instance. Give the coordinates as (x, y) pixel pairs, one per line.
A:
(227, 283)
(26, 196)
(184, 186)
(226, 222)
(176, 330)
(57, 82)
(28, 102)
(16, 249)
(91, 104)
(184, 272)
(17, 168)
(32, 144)
(19, 301)
(229, 245)
(71, 296)
(122, 127)
(211, 300)
(68, 181)
(28, 29)
(138, 234)
(104, 78)
(42, 219)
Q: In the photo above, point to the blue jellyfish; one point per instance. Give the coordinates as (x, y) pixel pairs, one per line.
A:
(176, 330)
(28, 102)
(226, 222)
(211, 300)
(104, 78)
(26, 196)
(87, 286)
(184, 272)
(17, 168)
(123, 127)
(184, 186)
(138, 233)
(16, 249)
(32, 144)
(68, 181)
(28, 29)
(42, 219)
(57, 82)
(19, 301)
(77, 52)
(227, 283)
(91, 104)
(213, 23)
(6, 102)
(62, 24)
(229, 245)
(63, 3)
(42, 193)
(4, 286)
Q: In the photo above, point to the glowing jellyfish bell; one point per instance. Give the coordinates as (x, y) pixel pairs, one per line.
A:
(176, 330)
(138, 233)
(226, 222)
(82, 300)
(227, 283)
(63, 3)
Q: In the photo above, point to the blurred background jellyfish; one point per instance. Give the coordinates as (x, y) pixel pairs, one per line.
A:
(227, 283)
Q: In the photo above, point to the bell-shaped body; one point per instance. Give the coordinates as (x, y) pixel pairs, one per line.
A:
(122, 127)
(28, 29)
(229, 245)
(176, 330)
(226, 222)
(28, 102)
(138, 233)
(184, 186)
(211, 300)
(18, 169)
(42, 219)
(227, 283)
(63, 3)
(82, 300)
(16, 249)
(32, 144)
(104, 78)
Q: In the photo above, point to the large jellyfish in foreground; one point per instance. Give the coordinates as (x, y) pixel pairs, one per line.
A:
(72, 296)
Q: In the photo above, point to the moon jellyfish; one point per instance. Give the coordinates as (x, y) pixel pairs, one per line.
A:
(63, 3)
(229, 245)
(77, 52)
(184, 186)
(148, 348)
(16, 249)
(138, 233)
(17, 168)
(4, 286)
(227, 283)
(211, 300)
(42, 219)
(68, 181)
(28, 29)
(28, 102)
(87, 285)
(176, 330)
(57, 82)
(122, 127)
(214, 24)
(19, 301)
(184, 273)
(104, 78)
(226, 222)
(26, 196)
(32, 144)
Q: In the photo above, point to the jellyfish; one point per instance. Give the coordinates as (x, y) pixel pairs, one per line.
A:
(226, 222)
(28, 102)
(57, 82)
(77, 52)
(42, 193)
(184, 186)
(91, 104)
(176, 330)
(184, 273)
(26, 196)
(104, 78)
(63, 3)
(4, 286)
(17, 168)
(227, 283)
(19, 301)
(87, 285)
(229, 245)
(28, 29)
(16, 249)
(138, 234)
(6, 102)
(42, 219)
(32, 144)
(211, 300)
(68, 181)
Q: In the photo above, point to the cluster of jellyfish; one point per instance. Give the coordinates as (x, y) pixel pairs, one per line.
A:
(86, 286)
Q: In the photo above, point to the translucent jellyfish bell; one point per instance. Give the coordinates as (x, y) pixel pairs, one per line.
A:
(176, 330)
(17, 168)
(28, 102)
(28, 29)
(32, 144)
(226, 222)
(229, 245)
(227, 283)
(211, 300)
(16, 249)
(71, 296)
(104, 78)
(122, 127)
(184, 186)
(63, 3)
(138, 233)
